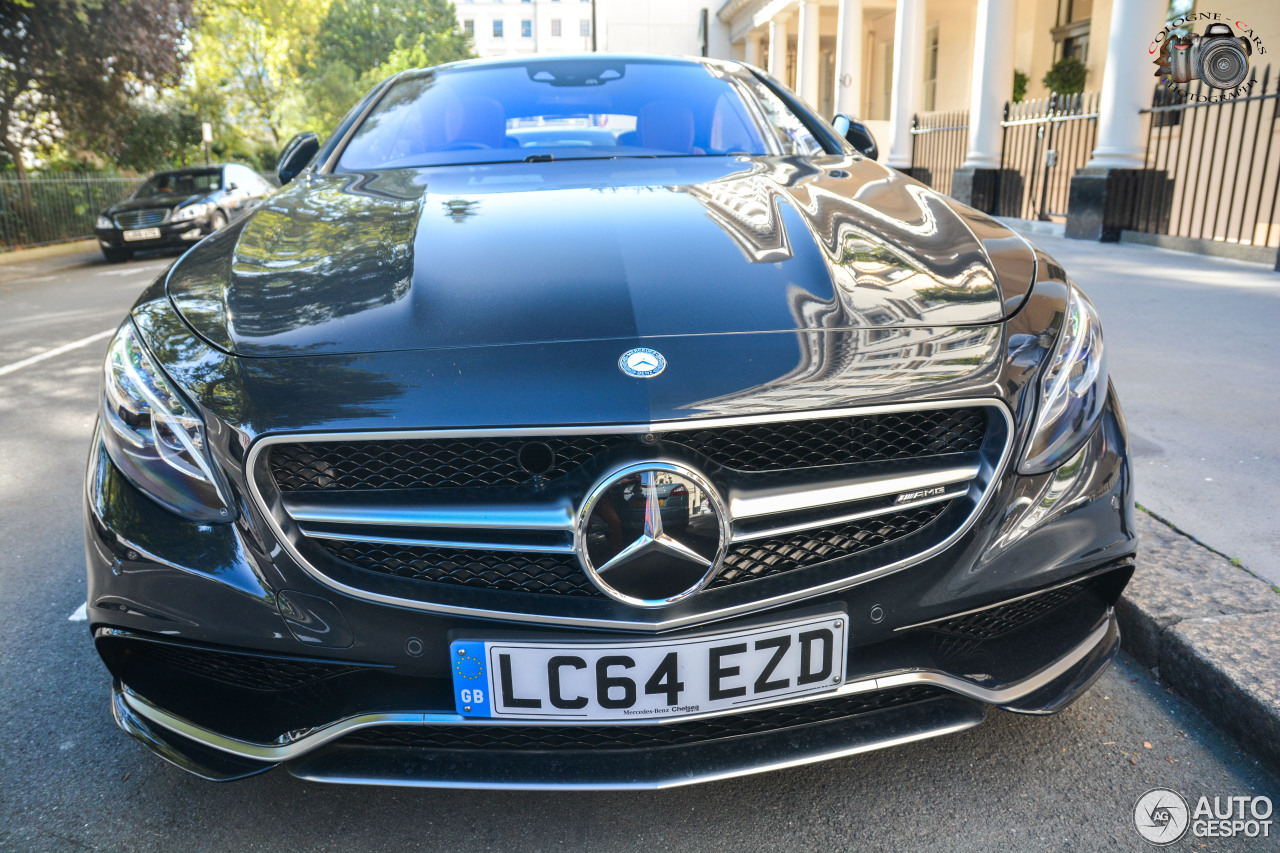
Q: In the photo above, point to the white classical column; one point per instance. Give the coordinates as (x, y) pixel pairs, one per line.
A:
(848, 81)
(992, 82)
(1126, 84)
(1125, 87)
(777, 46)
(908, 69)
(749, 49)
(808, 49)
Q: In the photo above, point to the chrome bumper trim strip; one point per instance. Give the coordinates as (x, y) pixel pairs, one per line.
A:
(328, 733)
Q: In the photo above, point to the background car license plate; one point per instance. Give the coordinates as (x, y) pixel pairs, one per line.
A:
(648, 679)
(142, 234)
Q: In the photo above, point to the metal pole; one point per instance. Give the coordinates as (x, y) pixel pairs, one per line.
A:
(593, 26)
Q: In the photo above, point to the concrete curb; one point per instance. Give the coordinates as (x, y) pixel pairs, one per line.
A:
(1211, 630)
(19, 256)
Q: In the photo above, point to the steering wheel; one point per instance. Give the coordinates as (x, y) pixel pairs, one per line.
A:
(465, 146)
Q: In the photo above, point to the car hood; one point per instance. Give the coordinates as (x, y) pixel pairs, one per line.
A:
(163, 200)
(526, 253)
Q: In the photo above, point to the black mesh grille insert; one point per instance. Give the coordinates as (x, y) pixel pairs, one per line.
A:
(584, 737)
(765, 557)
(514, 571)
(998, 621)
(247, 671)
(561, 574)
(790, 445)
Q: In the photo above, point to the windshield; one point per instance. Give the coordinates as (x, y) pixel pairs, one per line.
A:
(581, 108)
(179, 184)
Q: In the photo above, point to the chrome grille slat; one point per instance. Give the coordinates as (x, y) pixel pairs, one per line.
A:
(145, 218)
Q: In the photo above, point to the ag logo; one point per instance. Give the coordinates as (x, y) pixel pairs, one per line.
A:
(1161, 816)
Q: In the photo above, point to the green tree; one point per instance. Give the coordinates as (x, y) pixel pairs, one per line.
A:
(246, 58)
(361, 42)
(1066, 76)
(70, 67)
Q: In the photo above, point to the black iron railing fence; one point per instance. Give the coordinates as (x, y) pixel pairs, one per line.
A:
(938, 142)
(1213, 166)
(39, 211)
(1046, 141)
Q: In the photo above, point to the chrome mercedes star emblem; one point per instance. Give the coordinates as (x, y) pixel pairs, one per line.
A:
(642, 362)
(652, 533)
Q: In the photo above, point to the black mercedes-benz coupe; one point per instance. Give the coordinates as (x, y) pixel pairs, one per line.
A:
(175, 209)
(599, 422)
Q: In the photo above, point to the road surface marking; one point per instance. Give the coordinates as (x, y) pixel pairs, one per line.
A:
(81, 614)
(35, 359)
(131, 270)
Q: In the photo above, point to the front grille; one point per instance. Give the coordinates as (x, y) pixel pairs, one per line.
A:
(584, 737)
(561, 574)
(247, 671)
(514, 571)
(148, 218)
(1006, 618)
(775, 555)
(479, 462)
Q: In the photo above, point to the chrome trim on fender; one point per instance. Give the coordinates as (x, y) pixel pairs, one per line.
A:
(994, 473)
(325, 734)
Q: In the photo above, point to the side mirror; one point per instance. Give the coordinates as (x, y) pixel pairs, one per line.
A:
(856, 134)
(232, 187)
(296, 156)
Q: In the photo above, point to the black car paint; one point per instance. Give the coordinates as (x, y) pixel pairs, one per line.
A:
(381, 325)
(649, 258)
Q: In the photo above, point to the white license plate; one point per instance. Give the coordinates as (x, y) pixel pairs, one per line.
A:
(142, 234)
(650, 679)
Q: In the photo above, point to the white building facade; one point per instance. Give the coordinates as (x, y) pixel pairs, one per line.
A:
(515, 27)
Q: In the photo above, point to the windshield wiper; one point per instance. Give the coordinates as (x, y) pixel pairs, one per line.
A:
(540, 158)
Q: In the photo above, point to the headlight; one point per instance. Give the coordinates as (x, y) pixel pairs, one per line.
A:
(1073, 389)
(104, 221)
(191, 211)
(155, 437)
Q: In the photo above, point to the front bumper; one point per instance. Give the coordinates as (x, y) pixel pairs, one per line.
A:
(171, 234)
(229, 658)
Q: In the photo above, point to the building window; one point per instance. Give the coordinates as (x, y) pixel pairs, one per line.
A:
(1071, 35)
(469, 27)
(584, 27)
(497, 29)
(555, 28)
(526, 29)
(931, 68)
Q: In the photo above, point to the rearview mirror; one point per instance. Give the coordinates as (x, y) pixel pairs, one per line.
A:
(856, 134)
(296, 156)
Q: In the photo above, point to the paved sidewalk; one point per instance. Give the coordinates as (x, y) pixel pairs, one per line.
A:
(1193, 344)
(1210, 630)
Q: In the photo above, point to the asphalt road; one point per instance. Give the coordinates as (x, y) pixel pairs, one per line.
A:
(1194, 350)
(70, 781)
